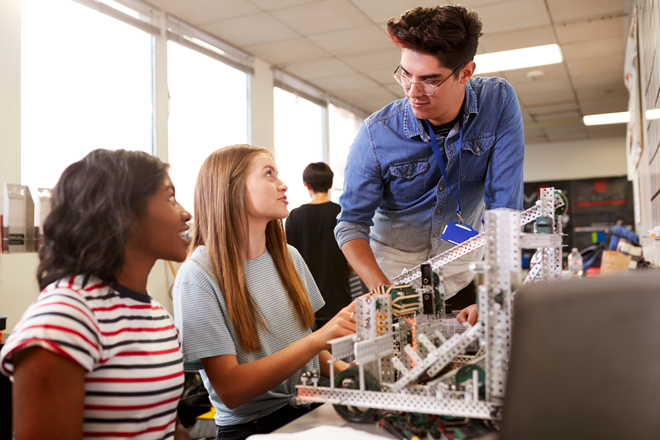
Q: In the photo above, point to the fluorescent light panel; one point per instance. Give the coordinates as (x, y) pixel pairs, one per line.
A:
(653, 114)
(518, 58)
(607, 118)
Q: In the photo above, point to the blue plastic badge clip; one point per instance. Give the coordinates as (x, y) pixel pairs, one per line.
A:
(457, 233)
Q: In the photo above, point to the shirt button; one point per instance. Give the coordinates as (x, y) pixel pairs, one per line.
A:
(409, 173)
(437, 212)
(431, 256)
(441, 188)
(478, 149)
(435, 235)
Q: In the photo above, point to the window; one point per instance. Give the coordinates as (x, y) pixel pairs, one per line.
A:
(85, 84)
(208, 111)
(299, 141)
(344, 126)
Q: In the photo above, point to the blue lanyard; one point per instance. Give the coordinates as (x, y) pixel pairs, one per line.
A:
(441, 164)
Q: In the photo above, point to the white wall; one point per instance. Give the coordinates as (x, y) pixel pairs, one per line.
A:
(575, 160)
(18, 285)
(10, 92)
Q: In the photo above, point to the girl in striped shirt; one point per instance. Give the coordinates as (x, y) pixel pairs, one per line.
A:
(95, 356)
(244, 301)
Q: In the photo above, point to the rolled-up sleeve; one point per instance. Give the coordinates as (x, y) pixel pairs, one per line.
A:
(363, 189)
(504, 179)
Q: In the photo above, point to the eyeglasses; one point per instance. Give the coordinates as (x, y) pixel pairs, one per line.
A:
(424, 87)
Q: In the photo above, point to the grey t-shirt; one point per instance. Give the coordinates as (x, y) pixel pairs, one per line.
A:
(200, 314)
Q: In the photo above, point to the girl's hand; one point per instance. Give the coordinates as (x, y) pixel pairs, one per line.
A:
(342, 324)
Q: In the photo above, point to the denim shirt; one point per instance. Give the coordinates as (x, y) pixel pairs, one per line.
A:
(394, 194)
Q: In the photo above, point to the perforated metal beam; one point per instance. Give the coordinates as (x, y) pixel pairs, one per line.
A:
(527, 216)
(400, 402)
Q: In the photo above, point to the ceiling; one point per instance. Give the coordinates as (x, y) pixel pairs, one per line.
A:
(341, 46)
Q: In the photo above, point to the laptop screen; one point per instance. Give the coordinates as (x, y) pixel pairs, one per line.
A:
(585, 360)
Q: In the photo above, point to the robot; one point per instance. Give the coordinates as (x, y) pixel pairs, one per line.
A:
(409, 357)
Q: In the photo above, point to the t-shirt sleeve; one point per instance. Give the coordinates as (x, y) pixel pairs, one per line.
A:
(198, 316)
(59, 321)
(312, 289)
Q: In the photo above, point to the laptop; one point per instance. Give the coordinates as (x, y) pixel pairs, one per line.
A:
(585, 360)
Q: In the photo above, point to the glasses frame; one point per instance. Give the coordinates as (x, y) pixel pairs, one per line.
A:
(426, 81)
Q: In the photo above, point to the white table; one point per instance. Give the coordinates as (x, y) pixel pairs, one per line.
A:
(326, 415)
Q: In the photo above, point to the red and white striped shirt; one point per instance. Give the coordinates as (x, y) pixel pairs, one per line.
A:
(127, 343)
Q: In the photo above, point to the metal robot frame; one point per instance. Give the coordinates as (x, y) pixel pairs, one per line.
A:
(410, 368)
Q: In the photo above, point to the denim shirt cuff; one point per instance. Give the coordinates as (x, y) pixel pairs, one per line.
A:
(347, 231)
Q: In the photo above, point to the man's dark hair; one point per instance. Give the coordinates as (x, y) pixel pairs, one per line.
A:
(319, 176)
(449, 33)
(94, 205)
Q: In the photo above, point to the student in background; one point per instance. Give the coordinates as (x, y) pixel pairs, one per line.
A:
(244, 301)
(95, 355)
(310, 229)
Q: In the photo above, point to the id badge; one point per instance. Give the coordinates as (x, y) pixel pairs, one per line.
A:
(457, 233)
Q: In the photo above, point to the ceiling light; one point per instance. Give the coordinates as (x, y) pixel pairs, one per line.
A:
(535, 75)
(653, 114)
(607, 118)
(518, 58)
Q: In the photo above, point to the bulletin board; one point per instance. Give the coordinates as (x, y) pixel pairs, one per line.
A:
(594, 206)
(645, 20)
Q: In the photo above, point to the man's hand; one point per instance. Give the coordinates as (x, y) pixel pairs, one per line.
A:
(469, 314)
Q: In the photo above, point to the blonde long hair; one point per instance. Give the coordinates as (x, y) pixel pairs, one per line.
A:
(220, 207)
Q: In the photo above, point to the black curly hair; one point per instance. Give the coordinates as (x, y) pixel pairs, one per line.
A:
(449, 33)
(94, 205)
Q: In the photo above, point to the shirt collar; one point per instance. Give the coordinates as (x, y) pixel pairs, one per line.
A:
(413, 127)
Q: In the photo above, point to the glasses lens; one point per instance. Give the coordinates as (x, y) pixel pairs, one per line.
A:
(426, 88)
(405, 83)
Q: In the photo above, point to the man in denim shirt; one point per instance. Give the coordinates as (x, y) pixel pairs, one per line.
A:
(395, 203)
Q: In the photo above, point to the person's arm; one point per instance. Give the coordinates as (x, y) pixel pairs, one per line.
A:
(180, 432)
(362, 195)
(49, 396)
(504, 178)
(362, 259)
(237, 384)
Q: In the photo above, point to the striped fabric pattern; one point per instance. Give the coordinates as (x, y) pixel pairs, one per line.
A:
(127, 343)
(201, 315)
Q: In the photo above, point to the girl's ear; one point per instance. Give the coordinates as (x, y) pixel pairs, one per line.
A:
(307, 185)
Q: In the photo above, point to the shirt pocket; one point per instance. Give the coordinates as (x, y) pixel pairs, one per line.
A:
(475, 156)
(407, 179)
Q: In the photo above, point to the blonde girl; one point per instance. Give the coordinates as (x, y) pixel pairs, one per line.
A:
(244, 300)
